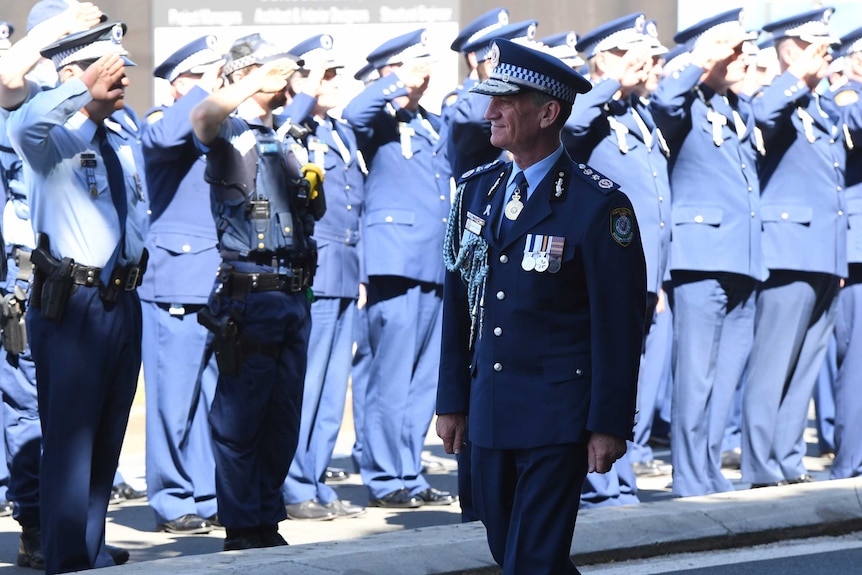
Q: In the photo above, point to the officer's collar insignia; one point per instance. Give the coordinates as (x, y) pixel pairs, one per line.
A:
(561, 185)
(622, 226)
(497, 183)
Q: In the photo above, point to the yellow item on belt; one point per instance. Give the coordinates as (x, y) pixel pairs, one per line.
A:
(314, 176)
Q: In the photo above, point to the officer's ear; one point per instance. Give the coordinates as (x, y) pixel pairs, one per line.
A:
(551, 111)
(68, 72)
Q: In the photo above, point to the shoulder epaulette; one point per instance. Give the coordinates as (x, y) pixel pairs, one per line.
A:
(846, 97)
(599, 181)
(155, 116)
(479, 170)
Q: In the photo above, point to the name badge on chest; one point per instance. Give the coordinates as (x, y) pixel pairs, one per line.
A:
(474, 224)
(88, 162)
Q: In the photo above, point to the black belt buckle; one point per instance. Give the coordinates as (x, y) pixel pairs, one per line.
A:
(133, 274)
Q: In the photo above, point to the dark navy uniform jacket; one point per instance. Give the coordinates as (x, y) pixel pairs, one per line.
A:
(558, 353)
(406, 199)
(848, 100)
(181, 238)
(802, 180)
(604, 133)
(338, 232)
(716, 194)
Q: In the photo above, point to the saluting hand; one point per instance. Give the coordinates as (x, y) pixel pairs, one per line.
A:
(812, 64)
(603, 450)
(273, 75)
(106, 77)
(82, 16)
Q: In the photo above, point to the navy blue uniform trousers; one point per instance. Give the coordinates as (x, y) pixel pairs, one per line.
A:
(537, 487)
(87, 368)
(330, 352)
(255, 415)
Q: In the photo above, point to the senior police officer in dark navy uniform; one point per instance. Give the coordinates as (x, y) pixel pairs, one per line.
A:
(84, 194)
(469, 131)
(489, 21)
(407, 205)
(804, 247)
(848, 328)
(179, 369)
(715, 253)
(550, 254)
(259, 309)
(330, 144)
(611, 128)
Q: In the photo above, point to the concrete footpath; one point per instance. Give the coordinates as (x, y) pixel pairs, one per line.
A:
(432, 540)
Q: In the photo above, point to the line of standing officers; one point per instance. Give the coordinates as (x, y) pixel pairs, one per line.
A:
(201, 242)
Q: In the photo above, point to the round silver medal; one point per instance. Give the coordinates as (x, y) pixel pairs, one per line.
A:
(528, 263)
(554, 265)
(542, 263)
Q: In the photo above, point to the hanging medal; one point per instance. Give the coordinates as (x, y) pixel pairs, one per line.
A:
(528, 263)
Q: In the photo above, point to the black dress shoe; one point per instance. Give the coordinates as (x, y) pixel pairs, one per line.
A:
(762, 485)
(433, 496)
(804, 478)
(270, 537)
(6, 508)
(116, 496)
(30, 549)
(245, 538)
(398, 499)
(128, 492)
(335, 474)
(118, 554)
(188, 524)
(311, 510)
(213, 519)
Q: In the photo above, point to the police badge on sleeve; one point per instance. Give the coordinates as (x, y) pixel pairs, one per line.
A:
(622, 226)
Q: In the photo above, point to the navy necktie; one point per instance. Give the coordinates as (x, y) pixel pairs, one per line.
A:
(521, 189)
(116, 183)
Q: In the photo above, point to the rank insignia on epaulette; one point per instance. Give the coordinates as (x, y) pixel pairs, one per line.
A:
(846, 97)
(478, 170)
(622, 228)
(155, 117)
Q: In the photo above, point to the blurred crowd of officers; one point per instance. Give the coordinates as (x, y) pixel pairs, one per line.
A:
(740, 158)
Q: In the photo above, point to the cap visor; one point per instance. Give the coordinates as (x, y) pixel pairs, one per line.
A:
(492, 87)
(819, 39)
(127, 62)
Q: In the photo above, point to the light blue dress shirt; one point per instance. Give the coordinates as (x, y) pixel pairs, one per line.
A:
(55, 138)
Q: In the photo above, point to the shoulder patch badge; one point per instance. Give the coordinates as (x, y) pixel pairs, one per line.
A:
(622, 228)
(155, 116)
(846, 97)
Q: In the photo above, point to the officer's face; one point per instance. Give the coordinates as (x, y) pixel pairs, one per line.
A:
(515, 121)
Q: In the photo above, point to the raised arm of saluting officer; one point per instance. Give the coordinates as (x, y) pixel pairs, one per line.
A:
(268, 78)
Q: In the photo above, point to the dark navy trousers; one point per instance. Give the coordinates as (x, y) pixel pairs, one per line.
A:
(180, 375)
(255, 415)
(87, 368)
(330, 352)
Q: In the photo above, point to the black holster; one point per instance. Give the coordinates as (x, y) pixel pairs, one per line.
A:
(228, 340)
(13, 325)
(52, 281)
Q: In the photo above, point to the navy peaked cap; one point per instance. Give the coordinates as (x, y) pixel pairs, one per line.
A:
(92, 44)
(564, 46)
(729, 22)
(190, 58)
(317, 50)
(366, 73)
(851, 42)
(253, 49)
(519, 69)
(491, 20)
(622, 33)
(401, 48)
(811, 27)
(519, 31)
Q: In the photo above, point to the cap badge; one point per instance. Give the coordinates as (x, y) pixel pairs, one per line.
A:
(495, 55)
(326, 42)
(117, 33)
(503, 17)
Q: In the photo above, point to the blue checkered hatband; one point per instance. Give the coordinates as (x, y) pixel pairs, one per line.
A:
(531, 79)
